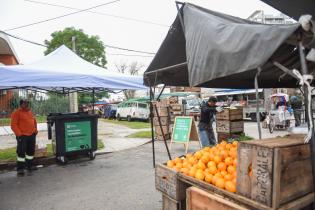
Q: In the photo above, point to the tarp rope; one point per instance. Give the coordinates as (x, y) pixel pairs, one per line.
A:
(306, 80)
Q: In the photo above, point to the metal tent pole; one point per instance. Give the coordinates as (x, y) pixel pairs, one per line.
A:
(93, 100)
(151, 121)
(304, 71)
(257, 102)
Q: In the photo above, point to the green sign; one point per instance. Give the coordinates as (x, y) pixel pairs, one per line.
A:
(77, 135)
(182, 128)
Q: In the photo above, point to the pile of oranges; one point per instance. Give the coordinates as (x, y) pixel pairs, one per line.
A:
(215, 165)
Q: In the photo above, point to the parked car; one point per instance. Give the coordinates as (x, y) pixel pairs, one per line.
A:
(133, 110)
(110, 111)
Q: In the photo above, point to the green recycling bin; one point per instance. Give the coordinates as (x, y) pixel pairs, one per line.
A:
(72, 134)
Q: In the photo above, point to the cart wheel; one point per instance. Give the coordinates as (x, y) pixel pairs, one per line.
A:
(63, 160)
(92, 155)
(271, 126)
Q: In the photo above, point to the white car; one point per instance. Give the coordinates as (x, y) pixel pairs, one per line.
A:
(133, 110)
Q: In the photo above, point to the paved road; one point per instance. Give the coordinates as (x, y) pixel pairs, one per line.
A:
(115, 181)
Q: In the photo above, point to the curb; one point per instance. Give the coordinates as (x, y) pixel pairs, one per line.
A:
(37, 161)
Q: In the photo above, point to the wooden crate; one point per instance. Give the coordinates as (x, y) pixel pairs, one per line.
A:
(176, 107)
(230, 114)
(158, 130)
(281, 168)
(171, 204)
(167, 182)
(299, 203)
(164, 121)
(228, 136)
(230, 126)
(162, 110)
(198, 199)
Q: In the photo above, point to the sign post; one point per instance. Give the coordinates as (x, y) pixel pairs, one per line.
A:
(184, 130)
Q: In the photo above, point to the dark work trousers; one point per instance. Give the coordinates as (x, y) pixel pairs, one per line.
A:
(25, 151)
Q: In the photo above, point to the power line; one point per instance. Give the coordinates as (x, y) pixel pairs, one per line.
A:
(72, 13)
(109, 46)
(22, 39)
(120, 48)
(100, 13)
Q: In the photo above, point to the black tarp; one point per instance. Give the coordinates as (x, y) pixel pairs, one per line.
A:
(293, 8)
(223, 51)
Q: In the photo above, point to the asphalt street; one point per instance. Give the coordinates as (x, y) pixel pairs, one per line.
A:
(114, 181)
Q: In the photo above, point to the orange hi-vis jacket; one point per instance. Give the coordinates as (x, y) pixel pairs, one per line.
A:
(23, 123)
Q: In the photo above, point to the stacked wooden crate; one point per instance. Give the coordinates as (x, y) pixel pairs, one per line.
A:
(229, 123)
(168, 109)
(271, 174)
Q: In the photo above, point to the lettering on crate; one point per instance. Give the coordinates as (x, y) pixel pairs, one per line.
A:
(262, 175)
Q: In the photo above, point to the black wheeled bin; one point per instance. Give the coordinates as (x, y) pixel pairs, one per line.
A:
(72, 134)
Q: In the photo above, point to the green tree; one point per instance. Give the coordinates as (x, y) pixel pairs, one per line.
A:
(87, 98)
(90, 48)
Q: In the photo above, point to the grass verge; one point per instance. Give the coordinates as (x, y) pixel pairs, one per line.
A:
(9, 155)
(140, 134)
(7, 121)
(133, 124)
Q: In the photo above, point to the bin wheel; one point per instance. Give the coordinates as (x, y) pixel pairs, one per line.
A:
(92, 155)
(129, 118)
(63, 160)
(118, 117)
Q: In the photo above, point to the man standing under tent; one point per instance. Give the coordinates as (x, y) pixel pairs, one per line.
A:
(296, 105)
(207, 115)
(24, 126)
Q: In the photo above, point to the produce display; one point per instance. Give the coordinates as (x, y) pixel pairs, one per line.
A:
(215, 165)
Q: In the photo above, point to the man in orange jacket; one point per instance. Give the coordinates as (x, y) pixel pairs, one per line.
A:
(24, 126)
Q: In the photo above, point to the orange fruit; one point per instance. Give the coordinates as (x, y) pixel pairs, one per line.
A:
(235, 143)
(233, 153)
(170, 164)
(223, 143)
(178, 160)
(192, 172)
(213, 170)
(224, 154)
(235, 162)
(214, 180)
(201, 165)
(228, 177)
(184, 171)
(188, 155)
(230, 186)
(218, 174)
(234, 180)
(231, 169)
(200, 175)
(217, 159)
(198, 155)
(179, 165)
(228, 161)
(192, 160)
(211, 163)
(221, 166)
(208, 177)
(223, 173)
(228, 146)
(207, 149)
(234, 174)
(186, 164)
(220, 183)
(205, 158)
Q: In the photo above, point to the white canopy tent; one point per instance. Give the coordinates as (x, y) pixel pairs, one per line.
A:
(64, 71)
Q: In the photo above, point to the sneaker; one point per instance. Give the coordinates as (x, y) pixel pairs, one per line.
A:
(20, 172)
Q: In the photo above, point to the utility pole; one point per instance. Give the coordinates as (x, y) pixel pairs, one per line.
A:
(73, 97)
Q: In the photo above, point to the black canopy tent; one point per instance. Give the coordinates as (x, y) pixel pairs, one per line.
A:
(210, 49)
(223, 51)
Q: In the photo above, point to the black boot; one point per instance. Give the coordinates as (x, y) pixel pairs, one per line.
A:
(29, 165)
(20, 168)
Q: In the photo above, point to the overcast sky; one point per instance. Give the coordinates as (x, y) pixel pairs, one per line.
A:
(134, 24)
